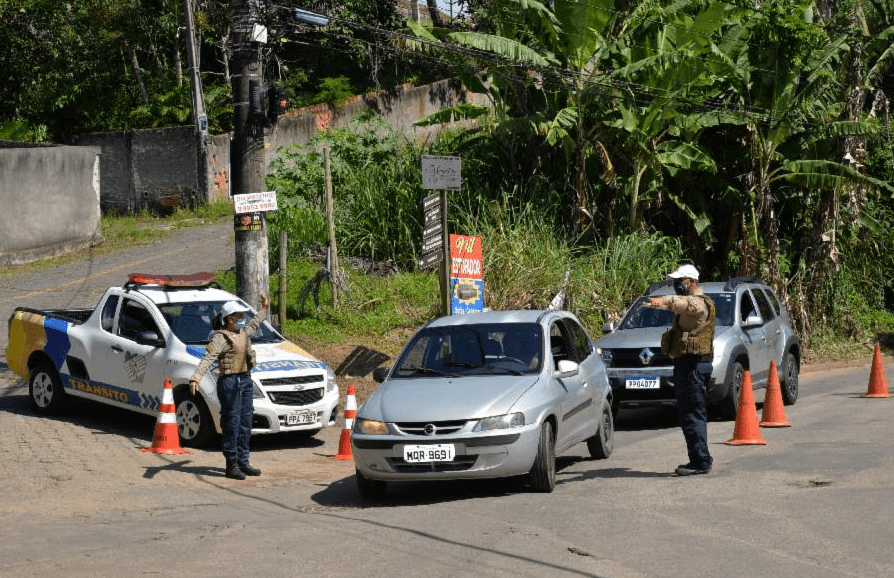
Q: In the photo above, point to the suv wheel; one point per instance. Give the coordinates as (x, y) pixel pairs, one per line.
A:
(730, 404)
(789, 383)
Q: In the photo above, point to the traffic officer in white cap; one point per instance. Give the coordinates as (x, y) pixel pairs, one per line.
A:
(690, 345)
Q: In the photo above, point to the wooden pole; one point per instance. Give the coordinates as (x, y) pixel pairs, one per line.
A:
(445, 262)
(283, 276)
(333, 250)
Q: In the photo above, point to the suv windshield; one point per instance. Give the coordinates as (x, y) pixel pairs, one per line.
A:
(191, 322)
(481, 349)
(641, 316)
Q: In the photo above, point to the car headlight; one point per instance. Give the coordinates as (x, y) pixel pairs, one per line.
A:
(331, 384)
(607, 356)
(501, 422)
(256, 392)
(370, 427)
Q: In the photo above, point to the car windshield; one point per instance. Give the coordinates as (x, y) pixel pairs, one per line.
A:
(191, 322)
(641, 316)
(479, 349)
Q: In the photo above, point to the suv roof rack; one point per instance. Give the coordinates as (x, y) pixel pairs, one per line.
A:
(172, 282)
(734, 282)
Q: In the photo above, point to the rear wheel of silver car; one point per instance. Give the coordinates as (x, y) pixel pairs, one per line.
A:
(790, 368)
(542, 476)
(194, 422)
(370, 489)
(45, 389)
(601, 445)
(730, 404)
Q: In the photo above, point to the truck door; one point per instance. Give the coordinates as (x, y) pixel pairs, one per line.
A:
(135, 356)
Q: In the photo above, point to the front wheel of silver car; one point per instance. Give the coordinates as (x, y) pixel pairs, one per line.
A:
(790, 368)
(542, 476)
(601, 445)
(194, 422)
(730, 404)
(370, 489)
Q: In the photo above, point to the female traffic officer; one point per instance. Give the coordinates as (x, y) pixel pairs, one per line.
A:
(231, 346)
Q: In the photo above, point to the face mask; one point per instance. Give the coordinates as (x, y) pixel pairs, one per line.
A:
(681, 288)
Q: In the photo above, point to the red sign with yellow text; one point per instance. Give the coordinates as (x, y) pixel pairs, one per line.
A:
(466, 274)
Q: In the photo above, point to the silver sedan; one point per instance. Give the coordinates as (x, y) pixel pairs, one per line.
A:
(484, 395)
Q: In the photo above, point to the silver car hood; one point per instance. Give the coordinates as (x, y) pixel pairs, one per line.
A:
(640, 337)
(450, 398)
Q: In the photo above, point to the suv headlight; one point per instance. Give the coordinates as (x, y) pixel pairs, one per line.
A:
(607, 356)
(501, 422)
(371, 427)
(330, 380)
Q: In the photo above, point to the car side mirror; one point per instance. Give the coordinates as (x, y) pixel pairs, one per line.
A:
(567, 368)
(149, 338)
(380, 373)
(608, 327)
(753, 321)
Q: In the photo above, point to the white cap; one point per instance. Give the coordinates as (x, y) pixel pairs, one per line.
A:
(232, 307)
(684, 272)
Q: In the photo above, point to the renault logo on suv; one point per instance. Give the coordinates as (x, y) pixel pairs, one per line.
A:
(646, 356)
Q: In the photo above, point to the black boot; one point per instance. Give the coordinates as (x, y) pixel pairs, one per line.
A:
(248, 470)
(234, 471)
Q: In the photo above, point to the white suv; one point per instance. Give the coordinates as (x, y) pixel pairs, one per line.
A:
(752, 328)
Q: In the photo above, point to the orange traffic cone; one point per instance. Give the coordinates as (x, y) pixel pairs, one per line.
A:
(344, 443)
(747, 431)
(166, 440)
(878, 383)
(774, 413)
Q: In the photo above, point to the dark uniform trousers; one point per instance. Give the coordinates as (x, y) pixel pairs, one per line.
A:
(691, 375)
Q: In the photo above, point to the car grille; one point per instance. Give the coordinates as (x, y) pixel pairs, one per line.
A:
(630, 358)
(459, 464)
(417, 428)
(294, 380)
(305, 397)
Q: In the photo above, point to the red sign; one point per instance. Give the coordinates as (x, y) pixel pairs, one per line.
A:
(465, 257)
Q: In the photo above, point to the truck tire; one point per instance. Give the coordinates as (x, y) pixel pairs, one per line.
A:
(194, 423)
(45, 389)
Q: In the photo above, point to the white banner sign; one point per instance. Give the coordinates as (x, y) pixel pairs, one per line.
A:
(441, 172)
(255, 202)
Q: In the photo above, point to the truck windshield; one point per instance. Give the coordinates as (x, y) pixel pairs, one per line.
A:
(191, 322)
(641, 316)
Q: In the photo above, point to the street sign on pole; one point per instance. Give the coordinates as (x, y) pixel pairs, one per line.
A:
(441, 172)
(430, 260)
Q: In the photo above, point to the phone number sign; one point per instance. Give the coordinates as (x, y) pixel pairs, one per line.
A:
(255, 202)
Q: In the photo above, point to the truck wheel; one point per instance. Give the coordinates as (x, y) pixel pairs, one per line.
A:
(370, 489)
(601, 445)
(789, 385)
(45, 389)
(542, 476)
(730, 404)
(194, 422)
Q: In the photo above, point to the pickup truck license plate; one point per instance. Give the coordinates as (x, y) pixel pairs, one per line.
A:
(643, 383)
(429, 453)
(300, 417)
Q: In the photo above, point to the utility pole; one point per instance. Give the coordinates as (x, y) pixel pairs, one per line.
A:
(247, 153)
(199, 116)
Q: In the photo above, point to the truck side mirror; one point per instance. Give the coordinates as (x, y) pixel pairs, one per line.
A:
(150, 338)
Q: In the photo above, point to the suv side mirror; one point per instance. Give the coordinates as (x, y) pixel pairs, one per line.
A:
(753, 321)
(608, 327)
(380, 373)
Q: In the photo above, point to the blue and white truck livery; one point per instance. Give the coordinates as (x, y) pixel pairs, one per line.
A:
(155, 328)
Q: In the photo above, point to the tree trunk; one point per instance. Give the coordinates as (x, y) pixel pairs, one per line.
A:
(435, 13)
(136, 70)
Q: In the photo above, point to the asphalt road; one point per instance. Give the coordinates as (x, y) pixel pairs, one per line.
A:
(80, 499)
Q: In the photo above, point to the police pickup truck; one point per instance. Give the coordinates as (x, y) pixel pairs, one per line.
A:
(155, 328)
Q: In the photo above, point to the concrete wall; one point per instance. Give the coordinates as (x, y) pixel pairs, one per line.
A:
(50, 199)
(157, 169)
